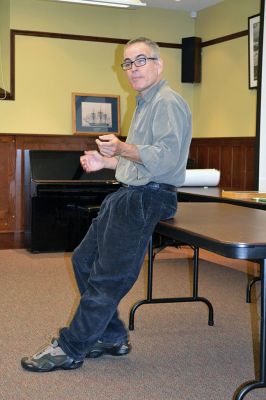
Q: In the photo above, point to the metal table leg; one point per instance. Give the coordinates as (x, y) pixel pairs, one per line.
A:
(250, 284)
(261, 383)
(150, 300)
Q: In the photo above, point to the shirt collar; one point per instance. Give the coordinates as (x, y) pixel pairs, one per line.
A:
(147, 97)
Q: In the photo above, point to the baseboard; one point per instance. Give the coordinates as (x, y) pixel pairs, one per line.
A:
(11, 240)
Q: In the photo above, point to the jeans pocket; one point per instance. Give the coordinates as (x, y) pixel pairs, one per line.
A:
(168, 205)
(132, 206)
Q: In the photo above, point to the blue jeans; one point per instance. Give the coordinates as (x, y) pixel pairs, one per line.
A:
(108, 261)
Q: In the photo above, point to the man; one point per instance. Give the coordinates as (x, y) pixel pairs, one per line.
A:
(149, 165)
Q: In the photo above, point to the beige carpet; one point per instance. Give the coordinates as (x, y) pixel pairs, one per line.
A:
(176, 355)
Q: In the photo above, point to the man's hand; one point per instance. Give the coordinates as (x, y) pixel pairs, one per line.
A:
(92, 161)
(109, 145)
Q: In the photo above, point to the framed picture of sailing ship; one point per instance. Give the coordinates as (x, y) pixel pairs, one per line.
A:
(94, 114)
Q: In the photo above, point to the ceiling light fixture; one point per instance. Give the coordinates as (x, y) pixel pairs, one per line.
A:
(108, 3)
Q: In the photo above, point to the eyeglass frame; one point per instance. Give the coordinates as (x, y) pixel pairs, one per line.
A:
(134, 62)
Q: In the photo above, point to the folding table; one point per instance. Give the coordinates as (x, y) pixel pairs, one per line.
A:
(231, 231)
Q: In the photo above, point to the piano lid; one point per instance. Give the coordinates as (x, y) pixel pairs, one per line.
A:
(61, 166)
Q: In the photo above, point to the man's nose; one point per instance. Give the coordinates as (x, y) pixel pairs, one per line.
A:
(134, 67)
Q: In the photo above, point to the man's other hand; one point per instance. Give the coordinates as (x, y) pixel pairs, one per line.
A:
(109, 145)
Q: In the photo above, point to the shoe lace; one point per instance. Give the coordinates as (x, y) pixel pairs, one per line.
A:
(46, 348)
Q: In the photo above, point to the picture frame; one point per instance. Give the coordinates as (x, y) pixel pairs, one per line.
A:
(253, 49)
(94, 114)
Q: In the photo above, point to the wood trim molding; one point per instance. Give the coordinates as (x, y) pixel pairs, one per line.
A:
(225, 38)
(69, 36)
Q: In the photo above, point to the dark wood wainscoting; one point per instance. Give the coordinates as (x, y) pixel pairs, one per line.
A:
(234, 157)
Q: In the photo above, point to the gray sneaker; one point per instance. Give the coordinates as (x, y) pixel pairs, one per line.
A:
(50, 358)
(114, 349)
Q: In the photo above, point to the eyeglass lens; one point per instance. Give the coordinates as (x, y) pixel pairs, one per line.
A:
(139, 62)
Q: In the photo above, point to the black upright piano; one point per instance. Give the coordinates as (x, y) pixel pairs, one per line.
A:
(61, 199)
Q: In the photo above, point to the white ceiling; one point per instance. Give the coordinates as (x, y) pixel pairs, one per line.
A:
(185, 5)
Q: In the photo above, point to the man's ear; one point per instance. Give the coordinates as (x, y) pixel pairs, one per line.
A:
(160, 65)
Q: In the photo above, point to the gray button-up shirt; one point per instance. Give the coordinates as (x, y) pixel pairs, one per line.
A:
(161, 130)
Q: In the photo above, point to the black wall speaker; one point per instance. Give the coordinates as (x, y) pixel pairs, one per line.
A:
(191, 60)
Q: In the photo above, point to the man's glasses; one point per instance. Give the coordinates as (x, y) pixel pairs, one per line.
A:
(139, 62)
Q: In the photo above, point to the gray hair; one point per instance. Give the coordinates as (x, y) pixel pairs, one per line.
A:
(150, 43)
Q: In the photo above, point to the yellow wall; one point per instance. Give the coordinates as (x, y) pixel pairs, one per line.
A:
(4, 44)
(223, 103)
(225, 18)
(49, 70)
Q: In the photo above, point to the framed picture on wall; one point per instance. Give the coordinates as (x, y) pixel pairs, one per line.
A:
(95, 114)
(253, 49)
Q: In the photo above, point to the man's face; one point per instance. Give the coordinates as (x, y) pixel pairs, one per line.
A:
(142, 78)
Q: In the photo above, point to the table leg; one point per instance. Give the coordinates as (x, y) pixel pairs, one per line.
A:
(250, 284)
(149, 288)
(150, 300)
(248, 386)
(196, 285)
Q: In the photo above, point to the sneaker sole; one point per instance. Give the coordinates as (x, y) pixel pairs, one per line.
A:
(29, 367)
(111, 352)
